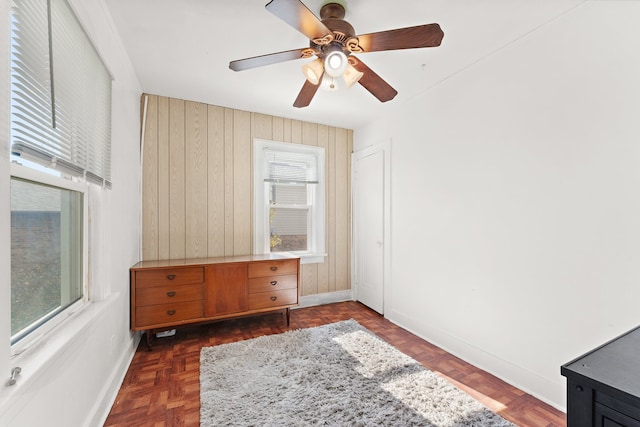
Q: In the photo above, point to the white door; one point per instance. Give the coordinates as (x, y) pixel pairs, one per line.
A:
(370, 191)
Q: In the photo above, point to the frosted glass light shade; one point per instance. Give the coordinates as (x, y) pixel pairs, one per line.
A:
(313, 71)
(351, 75)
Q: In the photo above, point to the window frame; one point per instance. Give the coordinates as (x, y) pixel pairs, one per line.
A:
(261, 207)
(49, 326)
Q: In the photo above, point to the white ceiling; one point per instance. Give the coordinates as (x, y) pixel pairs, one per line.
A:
(182, 49)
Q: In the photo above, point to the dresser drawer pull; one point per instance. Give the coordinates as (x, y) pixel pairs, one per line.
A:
(274, 268)
(274, 282)
(171, 312)
(274, 298)
(171, 294)
(171, 276)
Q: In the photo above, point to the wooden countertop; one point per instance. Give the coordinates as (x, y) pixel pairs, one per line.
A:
(212, 260)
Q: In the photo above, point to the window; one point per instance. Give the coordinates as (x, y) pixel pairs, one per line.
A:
(60, 92)
(60, 123)
(47, 256)
(289, 199)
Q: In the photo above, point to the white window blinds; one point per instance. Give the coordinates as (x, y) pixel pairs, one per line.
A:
(60, 92)
(290, 167)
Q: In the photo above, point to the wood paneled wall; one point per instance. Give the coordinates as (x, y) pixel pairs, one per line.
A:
(197, 197)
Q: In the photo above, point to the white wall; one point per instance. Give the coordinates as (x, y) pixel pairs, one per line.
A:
(77, 384)
(516, 200)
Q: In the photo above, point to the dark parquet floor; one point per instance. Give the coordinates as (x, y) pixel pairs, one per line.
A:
(161, 387)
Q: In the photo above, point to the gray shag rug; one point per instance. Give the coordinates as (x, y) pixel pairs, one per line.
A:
(337, 374)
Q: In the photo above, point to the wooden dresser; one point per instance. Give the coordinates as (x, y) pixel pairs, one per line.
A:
(169, 293)
(603, 386)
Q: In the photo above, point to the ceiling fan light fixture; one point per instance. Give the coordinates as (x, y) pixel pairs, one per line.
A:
(335, 63)
(351, 75)
(313, 71)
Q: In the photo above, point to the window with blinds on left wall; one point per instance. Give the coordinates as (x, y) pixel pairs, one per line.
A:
(60, 131)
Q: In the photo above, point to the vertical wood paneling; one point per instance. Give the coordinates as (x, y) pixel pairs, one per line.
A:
(331, 209)
(309, 271)
(164, 243)
(286, 133)
(342, 212)
(278, 129)
(262, 126)
(215, 181)
(296, 131)
(150, 182)
(310, 134)
(177, 217)
(242, 182)
(196, 179)
(323, 268)
(228, 183)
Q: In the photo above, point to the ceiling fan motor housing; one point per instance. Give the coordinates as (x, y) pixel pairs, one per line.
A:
(332, 15)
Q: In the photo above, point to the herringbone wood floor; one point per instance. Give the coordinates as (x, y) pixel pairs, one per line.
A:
(162, 387)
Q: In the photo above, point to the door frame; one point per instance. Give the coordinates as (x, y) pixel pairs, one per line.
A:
(385, 148)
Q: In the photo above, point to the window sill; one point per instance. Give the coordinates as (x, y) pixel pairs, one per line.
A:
(312, 258)
(43, 352)
(305, 258)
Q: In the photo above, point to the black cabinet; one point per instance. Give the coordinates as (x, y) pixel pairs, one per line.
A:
(603, 386)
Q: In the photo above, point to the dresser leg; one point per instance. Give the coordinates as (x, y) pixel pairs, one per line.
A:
(288, 316)
(149, 339)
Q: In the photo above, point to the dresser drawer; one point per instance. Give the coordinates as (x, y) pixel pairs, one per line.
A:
(273, 268)
(273, 283)
(168, 313)
(168, 294)
(169, 276)
(273, 299)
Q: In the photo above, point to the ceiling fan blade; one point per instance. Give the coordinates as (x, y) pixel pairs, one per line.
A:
(306, 94)
(296, 14)
(373, 82)
(429, 35)
(268, 59)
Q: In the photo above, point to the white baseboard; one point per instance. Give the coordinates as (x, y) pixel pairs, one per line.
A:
(111, 391)
(325, 298)
(544, 389)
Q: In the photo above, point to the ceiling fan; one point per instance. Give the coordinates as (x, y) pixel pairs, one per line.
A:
(332, 41)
